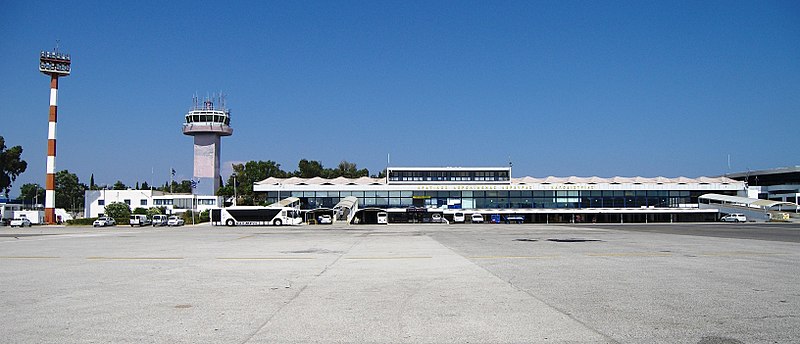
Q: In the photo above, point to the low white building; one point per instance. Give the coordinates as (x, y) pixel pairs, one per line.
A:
(96, 201)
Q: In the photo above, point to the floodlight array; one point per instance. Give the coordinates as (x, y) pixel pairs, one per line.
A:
(54, 62)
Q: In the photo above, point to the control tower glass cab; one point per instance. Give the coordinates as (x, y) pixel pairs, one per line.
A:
(207, 123)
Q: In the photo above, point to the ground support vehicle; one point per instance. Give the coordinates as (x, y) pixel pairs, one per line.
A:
(325, 220)
(383, 218)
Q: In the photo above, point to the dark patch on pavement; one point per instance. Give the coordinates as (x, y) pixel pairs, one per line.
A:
(526, 239)
(22, 235)
(183, 306)
(719, 340)
(573, 240)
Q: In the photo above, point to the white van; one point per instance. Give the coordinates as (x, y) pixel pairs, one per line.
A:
(139, 220)
(477, 218)
(160, 220)
(383, 218)
(458, 217)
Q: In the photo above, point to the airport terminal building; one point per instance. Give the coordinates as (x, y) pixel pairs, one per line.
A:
(413, 194)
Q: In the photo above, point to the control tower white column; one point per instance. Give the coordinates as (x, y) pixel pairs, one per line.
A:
(207, 124)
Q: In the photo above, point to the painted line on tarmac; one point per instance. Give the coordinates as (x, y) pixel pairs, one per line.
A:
(741, 254)
(28, 257)
(134, 258)
(513, 257)
(266, 258)
(388, 257)
(631, 254)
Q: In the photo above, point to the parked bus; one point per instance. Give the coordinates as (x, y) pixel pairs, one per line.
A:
(255, 216)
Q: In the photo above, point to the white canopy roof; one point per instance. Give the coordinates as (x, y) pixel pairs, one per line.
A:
(514, 181)
(763, 203)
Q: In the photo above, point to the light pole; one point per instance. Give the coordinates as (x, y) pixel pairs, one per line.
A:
(36, 197)
(234, 189)
(53, 64)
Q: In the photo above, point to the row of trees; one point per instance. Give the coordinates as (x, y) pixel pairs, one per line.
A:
(70, 192)
(11, 165)
(183, 186)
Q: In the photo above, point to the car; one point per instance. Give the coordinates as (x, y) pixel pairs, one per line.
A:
(139, 220)
(458, 217)
(515, 219)
(21, 222)
(104, 221)
(476, 218)
(174, 221)
(735, 217)
(159, 220)
(325, 219)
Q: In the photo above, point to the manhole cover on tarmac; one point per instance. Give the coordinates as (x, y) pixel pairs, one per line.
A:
(573, 240)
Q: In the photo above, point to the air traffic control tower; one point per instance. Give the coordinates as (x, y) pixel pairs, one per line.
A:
(207, 123)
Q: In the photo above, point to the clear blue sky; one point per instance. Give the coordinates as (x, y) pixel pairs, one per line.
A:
(563, 88)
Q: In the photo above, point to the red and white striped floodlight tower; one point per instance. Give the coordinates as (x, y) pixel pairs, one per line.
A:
(54, 64)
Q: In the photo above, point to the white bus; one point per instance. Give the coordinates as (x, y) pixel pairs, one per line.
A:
(255, 216)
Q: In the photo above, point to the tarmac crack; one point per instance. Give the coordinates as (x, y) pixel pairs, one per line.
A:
(510, 283)
(300, 291)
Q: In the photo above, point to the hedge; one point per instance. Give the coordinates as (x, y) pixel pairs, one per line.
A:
(88, 221)
(81, 222)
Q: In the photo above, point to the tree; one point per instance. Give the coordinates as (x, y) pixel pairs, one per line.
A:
(140, 211)
(145, 186)
(185, 186)
(119, 185)
(154, 211)
(31, 193)
(70, 192)
(11, 165)
(92, 186)
(118, 210)
(247, 174)
(309, 169)
(381, 174)
(349, 170)
(137, 186)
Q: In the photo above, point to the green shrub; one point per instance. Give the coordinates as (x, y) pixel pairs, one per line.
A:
(118, 210)
(153, 211)
(198, 217)
(81, 222)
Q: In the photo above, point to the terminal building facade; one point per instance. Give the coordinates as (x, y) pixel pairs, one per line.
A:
(492, 190)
